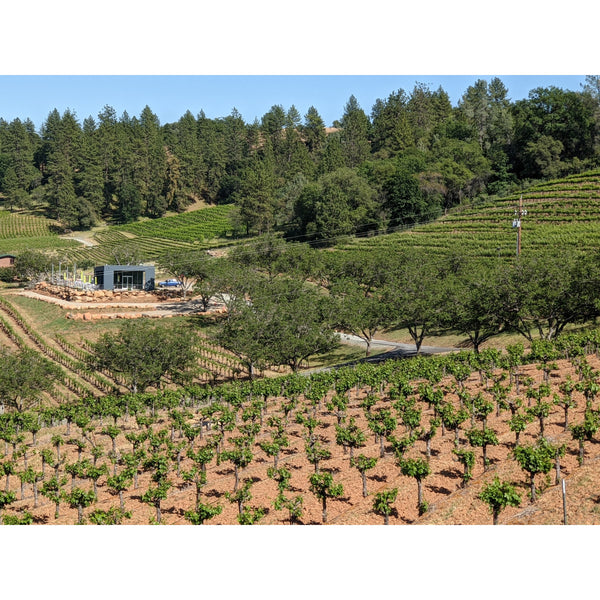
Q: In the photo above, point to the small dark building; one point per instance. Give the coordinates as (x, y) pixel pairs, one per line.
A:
(7, 260)
(124, 277)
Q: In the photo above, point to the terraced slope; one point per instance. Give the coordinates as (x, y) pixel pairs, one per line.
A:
(199, 229)
(24, 231)
(562, 214)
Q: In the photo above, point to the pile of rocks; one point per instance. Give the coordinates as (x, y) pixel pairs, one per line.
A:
(72, 294)
(99, 316)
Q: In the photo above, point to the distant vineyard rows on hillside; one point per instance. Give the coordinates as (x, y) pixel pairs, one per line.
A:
(198, 225)
(203, 228)
(561, 214)
(20, 232)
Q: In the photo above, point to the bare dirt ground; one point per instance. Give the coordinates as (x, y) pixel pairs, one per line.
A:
(448, 502)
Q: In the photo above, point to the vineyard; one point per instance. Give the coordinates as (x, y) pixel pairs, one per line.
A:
(20, 232)
(199, 229)
(560, 214)
(420, 441)
(215, 364)
(404, 442)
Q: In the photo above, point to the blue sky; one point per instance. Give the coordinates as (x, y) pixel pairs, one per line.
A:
(34, 96)
(214, 56)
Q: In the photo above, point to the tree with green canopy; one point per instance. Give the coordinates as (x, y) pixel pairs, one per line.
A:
(467, 459)
(585, 431)
(323, 487)
(154, 496)
(240, 457)
(117, 484)
(202, 513)
(339, 203)
(534, 459)
(313, 132)
(382, 504)
(145, 353)
(418, 297)
(80, 499)
(354, 137)
(419, 469)
(6, 499)
(539, 295)
(482, 438)
(113, 516)
(24, 377)
(498, 495)
(363, 464)
(285, 323)
(350, 436)
(383, 424)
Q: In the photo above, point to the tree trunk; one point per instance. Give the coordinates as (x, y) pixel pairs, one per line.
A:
(485, 460)
(420, 491)
(79, 514)
(236, 475)
(158, 513)
(364, 482)
(557, 464)
(121, 501)
(496, 514)
(324, 509)
(386, 519)
(532, 485)
(381, 446)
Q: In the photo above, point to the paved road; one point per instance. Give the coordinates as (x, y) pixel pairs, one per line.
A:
(396, 349)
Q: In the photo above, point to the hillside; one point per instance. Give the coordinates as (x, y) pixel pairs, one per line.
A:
(147, 239)
(198, 229)
(161, 424)
(561, 214)
(25, 231)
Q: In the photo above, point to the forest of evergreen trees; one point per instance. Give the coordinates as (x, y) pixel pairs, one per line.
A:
(412, 157)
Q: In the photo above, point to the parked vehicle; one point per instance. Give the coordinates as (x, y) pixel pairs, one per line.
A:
(169, 283)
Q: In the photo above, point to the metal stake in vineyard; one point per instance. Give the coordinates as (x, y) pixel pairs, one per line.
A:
(519, 213)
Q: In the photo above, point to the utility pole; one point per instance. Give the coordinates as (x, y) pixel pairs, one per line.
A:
(519, 213)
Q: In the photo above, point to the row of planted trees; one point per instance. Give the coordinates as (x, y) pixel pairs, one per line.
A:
(273, 290)
(302, 442)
